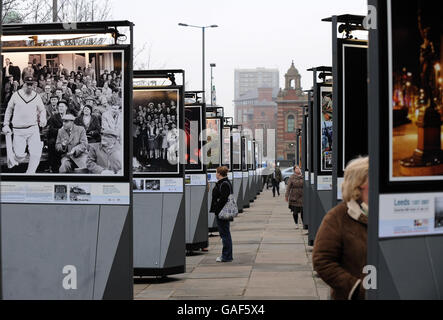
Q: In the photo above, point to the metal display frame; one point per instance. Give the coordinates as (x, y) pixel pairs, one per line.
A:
(1, 86)
(160, 251)
(102, 231)
(197, 195)
(245, 172)
(214, 113)
(321, 200)
(237, 171)
(407, 267)
(305, 164)
(346, 24)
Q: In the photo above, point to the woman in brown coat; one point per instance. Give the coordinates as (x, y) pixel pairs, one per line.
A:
(294, 194)
(340, 247)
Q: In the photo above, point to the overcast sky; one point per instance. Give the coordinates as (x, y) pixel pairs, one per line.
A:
(251, 33)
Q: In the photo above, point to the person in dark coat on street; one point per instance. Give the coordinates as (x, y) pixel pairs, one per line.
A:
(294, 194)
(220, 195)
(340, 247)
(276, 179)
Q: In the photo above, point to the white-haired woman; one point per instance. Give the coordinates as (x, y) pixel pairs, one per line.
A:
(340, 247)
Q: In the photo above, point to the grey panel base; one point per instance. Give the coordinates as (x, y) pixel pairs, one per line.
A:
(196, 215)
(323, 200)
(409, 269)
(39, 241)
(159, 231)
(245, 192)
(212, 223)
(238, 193)
(251, 194)
(312, 212)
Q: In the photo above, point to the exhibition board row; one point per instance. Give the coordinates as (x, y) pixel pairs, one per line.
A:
(382, 97)
(106, 171)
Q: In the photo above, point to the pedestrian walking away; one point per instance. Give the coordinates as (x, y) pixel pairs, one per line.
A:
(276, 179)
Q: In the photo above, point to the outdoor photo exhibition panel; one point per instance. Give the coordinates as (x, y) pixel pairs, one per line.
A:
(405, 99)
(47, 159)
(322, 151)
(66, 199)
(213, 152)
(250, 161)
(158, 164)
(237, 166)
(1, 86)
(310, 209)
(305, 168)
(256, 168)
(244, 161)
(195, 178)
(324, 140)
(351, 113)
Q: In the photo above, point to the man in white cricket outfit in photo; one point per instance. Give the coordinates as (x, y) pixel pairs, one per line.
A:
(28, 112)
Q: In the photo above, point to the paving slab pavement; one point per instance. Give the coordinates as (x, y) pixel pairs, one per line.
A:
(272, 261)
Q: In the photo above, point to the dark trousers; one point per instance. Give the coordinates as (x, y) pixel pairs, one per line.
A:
(295, 211)
(225, 235)
(275, 185)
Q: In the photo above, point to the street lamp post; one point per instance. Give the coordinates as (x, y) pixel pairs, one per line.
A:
(213, 65)
(203, 52)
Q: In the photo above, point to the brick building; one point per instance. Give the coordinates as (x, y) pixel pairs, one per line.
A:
(257, 109)
(290, 102)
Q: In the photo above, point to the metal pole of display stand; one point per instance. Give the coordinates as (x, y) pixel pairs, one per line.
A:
(203, 53)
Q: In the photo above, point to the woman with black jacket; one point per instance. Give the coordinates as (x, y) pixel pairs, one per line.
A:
(220, 195)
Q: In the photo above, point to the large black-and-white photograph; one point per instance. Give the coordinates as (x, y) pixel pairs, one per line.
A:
(156, 131)
(62, 113)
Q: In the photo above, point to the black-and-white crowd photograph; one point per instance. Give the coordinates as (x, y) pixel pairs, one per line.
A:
(62, 113)
(156, 131)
